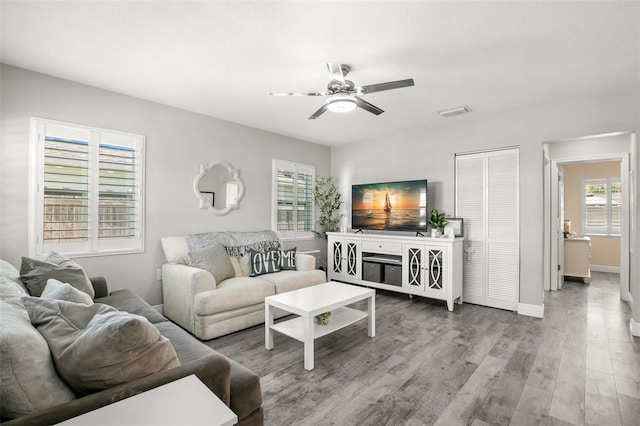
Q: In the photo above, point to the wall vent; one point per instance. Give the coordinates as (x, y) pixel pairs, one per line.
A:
(455, 111)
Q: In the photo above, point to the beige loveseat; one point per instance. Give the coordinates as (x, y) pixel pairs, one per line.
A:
(209, 307)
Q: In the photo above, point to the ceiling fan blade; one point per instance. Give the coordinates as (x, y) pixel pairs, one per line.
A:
(319, 112)
(336, 71)
(385, 86)
(368, 107)
(298, 94)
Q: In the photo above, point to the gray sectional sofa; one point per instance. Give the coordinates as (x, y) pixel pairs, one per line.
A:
(210, 292)
(36, 400)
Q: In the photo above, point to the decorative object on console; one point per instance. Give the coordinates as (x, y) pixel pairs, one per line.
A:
(218, 178)
(457, 224)
(323, 318)
(328, 200)
(438, 221)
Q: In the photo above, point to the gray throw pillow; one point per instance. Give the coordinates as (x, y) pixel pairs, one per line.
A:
(213, 258)
(29, 379)
(35, 274)
(64, 291)
(96, 347)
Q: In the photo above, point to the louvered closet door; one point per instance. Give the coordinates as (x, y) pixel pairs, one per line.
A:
(487, 199)
(503, 243)
(470, 205)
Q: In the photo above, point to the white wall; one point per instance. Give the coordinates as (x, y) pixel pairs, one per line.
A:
(177, 143)
(429, 153)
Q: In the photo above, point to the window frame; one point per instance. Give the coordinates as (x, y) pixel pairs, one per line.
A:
(296, 168)
(609, 231)
(95, 139)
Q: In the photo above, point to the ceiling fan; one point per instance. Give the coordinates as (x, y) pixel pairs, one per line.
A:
(344, 95)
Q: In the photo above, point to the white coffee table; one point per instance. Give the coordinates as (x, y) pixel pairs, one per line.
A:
(311, 301)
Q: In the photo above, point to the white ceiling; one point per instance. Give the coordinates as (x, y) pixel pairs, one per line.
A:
(223, 58)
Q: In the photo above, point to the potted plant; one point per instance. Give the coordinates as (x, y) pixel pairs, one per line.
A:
(328, 200)
(438, 223)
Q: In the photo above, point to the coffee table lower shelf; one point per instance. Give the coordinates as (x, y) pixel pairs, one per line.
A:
(340, 318)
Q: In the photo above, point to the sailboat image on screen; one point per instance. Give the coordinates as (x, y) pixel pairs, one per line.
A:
(389, 206)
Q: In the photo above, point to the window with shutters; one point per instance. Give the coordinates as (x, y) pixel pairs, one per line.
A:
(292, 216)
(87, 190)
(602, 206)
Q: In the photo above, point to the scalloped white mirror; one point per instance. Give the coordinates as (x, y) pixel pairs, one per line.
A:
(218, 187)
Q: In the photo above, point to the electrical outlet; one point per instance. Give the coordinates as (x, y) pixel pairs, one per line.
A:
(159, 274)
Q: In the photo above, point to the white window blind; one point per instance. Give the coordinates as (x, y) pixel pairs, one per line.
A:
(602, 206)
(293, 199)
(88, 185)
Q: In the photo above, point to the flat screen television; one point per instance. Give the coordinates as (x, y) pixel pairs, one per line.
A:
(390, 206)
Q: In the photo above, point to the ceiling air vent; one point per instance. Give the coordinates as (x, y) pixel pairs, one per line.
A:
(455, 111)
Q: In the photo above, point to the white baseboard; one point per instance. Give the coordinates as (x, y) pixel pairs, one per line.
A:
(536, 311)
(635, 328)
(605, 268)
(159, 308)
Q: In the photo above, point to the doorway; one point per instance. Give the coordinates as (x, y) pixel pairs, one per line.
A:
(611, 147)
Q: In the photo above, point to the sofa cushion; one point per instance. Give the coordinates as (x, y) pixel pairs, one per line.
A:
(293, 280)
(64, 291)
(29, 379)
(246, 393)
(128, 301)
(35, 273)
(232, 294)
(263, 262)
(95, 347)
(213, 258)
(187, 348)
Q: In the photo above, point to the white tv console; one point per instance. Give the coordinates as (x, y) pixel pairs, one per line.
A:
(422, 266)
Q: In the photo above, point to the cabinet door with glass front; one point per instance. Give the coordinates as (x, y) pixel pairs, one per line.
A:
(424, 270)
(344, 259)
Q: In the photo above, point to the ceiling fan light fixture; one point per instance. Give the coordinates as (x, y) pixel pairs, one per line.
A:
(341, 104)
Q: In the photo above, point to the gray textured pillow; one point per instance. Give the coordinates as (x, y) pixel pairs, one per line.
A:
(35, 273)
(64, 291)
(96, 347)
(29, 379)
(213, 258)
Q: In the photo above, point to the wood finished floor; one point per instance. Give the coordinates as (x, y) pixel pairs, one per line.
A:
(476, 366)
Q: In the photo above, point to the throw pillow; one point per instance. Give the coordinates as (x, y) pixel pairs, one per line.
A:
(35, 274)
(263, 263)
(64, 291)
(287, 259)
(213, 258)
(95, 347)
(11, 292)
(29, 379)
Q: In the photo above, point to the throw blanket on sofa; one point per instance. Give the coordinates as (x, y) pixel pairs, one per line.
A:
(236, 243)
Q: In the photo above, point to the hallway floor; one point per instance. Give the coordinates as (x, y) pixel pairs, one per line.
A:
(598, 361)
